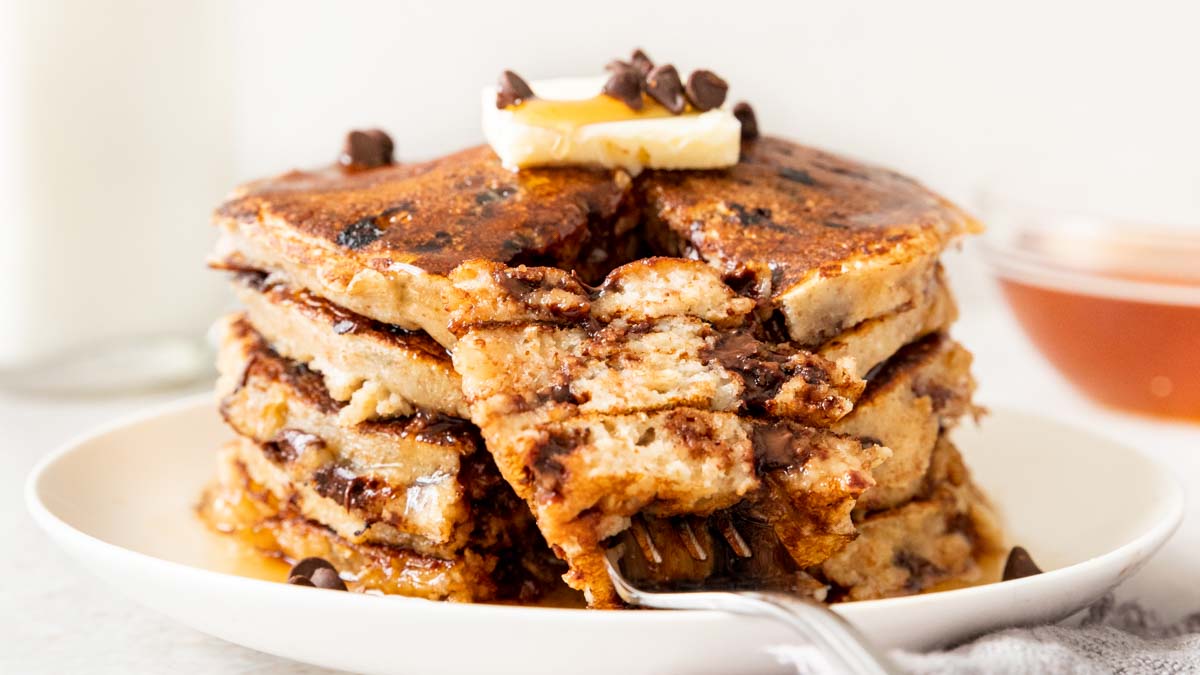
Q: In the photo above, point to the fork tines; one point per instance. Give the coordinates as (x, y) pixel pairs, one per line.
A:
(644, 533)
(732, 537)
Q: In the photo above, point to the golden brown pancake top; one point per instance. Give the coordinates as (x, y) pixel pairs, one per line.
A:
(436, 214)
(786, 209)
(783, 211)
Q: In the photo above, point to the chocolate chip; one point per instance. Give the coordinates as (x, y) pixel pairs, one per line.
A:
(706, 90)
(625, 85)
(307, 566)
(549, 453)
(495, 194)
(300, 581)
(512, 90)
(359, 233)
(920, 569)
(440, 240)
(745, 114)
(367, 149)
(327, 578)
(750, 216)
(641, 62)
(289, 444)
(1019, 565)
(664, 86)
(797, 176)
(638, 62)
(774, 446)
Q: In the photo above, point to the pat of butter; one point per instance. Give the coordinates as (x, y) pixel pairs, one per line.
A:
(568, 125)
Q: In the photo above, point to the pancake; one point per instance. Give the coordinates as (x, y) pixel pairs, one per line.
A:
(238, 505)
(827, 241)
(586, 477)
(908, 404)
(378, 370)
(657, 334)
(381, 241)
(711, 360)
(652, 396)
(871, 342)
(939, 537)
(916, 395)
(395, 481)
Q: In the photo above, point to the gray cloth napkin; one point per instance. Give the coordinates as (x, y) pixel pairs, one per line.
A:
(1112, 638)
(1121, 638)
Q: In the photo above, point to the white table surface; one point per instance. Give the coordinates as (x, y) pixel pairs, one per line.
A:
(56, 618)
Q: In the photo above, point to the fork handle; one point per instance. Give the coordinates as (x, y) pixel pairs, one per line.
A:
(846, 649)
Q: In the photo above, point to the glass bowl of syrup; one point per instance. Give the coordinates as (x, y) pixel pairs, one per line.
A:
(1114, 306)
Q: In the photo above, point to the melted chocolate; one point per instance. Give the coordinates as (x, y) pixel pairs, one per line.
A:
(545, 460)
(351, 490)
(428, 427)
(530, 286)
(762, 367)
(920, 570)
(774, 446)
(289, 444)
(751, 216)
(254, 279)
(442, 429)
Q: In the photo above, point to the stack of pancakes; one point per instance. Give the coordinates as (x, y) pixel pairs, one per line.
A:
(455, 381)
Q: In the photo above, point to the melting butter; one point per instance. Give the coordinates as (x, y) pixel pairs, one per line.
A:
(578, 112)
(571, 123)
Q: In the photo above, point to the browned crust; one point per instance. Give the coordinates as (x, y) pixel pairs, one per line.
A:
(238, 506)
(434, 215)
(265, 365)
(503, 554)
(262, 363)
(340, 319)
(786, 210)
(906, 366)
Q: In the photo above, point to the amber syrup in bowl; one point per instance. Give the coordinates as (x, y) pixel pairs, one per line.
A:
(1115, 307)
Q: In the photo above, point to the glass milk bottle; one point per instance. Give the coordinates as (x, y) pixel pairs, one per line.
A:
(115, 144)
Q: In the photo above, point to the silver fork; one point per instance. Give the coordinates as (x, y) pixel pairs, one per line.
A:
(843, 646)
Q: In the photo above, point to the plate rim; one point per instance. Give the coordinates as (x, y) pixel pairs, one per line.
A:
(1173, 505)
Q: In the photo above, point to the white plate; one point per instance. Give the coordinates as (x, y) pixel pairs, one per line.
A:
(120, 500)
